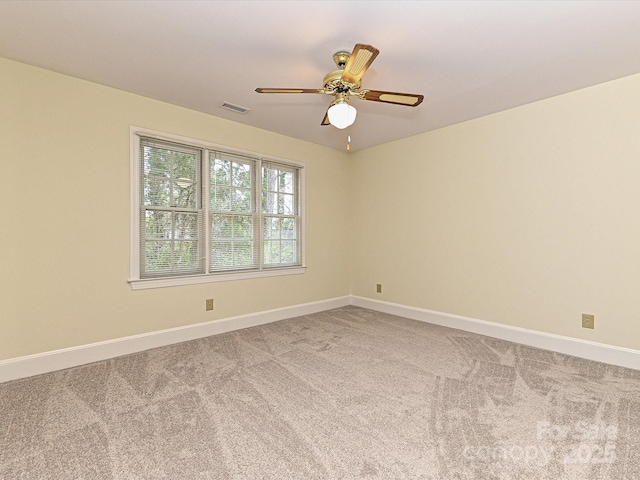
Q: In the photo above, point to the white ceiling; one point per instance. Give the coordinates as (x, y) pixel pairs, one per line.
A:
(468, 58)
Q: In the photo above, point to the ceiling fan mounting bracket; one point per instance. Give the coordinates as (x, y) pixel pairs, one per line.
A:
(341, 58)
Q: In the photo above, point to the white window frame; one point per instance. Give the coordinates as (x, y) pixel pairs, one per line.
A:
(138, 283)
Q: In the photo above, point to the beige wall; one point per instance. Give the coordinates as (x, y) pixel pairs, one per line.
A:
(64, 262)
(528, 217)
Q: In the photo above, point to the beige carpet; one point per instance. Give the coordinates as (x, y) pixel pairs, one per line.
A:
(344, 394)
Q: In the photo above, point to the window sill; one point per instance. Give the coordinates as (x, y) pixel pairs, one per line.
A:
(146, 283)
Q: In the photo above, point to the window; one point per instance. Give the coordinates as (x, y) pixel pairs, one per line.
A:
(203, 213)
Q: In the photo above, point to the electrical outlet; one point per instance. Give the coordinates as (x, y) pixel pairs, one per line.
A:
(209, 304)
(588, 320)
(379, 287)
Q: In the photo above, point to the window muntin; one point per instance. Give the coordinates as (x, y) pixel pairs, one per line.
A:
(207, 213)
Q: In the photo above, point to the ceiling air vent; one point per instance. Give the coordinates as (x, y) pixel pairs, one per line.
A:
(234, 108)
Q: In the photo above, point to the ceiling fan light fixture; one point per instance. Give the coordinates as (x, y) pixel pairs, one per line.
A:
(341, 114)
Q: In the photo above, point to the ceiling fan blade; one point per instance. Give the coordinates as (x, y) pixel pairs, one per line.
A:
(288, 90)
(325, 120)
(407, 99)
(359, 60)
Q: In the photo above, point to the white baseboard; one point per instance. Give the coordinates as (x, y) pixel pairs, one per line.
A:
(21, 367)
(600, 352)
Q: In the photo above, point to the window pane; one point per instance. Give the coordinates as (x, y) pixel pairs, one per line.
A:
(171, 243)
(157, 161)
(170, 176)
(269, 202)
(221, 198)
(184, 194)
(221, 227)
(156, 192)
(227, 227)
(186, 255)
(288, 251)
(232, 242)
(243, 227)
(243, 254)
(170, 225)
(186, 225)
(220, 172)
(271, 227)
(157, 225)
(184, 166)
(157, 257)
(269, 179)
(241, 175)
(231, 187)
(221, 255)
(271, 251)
(167, 257)
(286, 182)
(288, 228)
(241, 200)
(285, 204)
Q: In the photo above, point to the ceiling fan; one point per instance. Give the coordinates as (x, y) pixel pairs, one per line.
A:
(346, 82)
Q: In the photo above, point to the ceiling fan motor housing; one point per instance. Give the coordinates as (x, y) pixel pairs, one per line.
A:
(333, 81)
